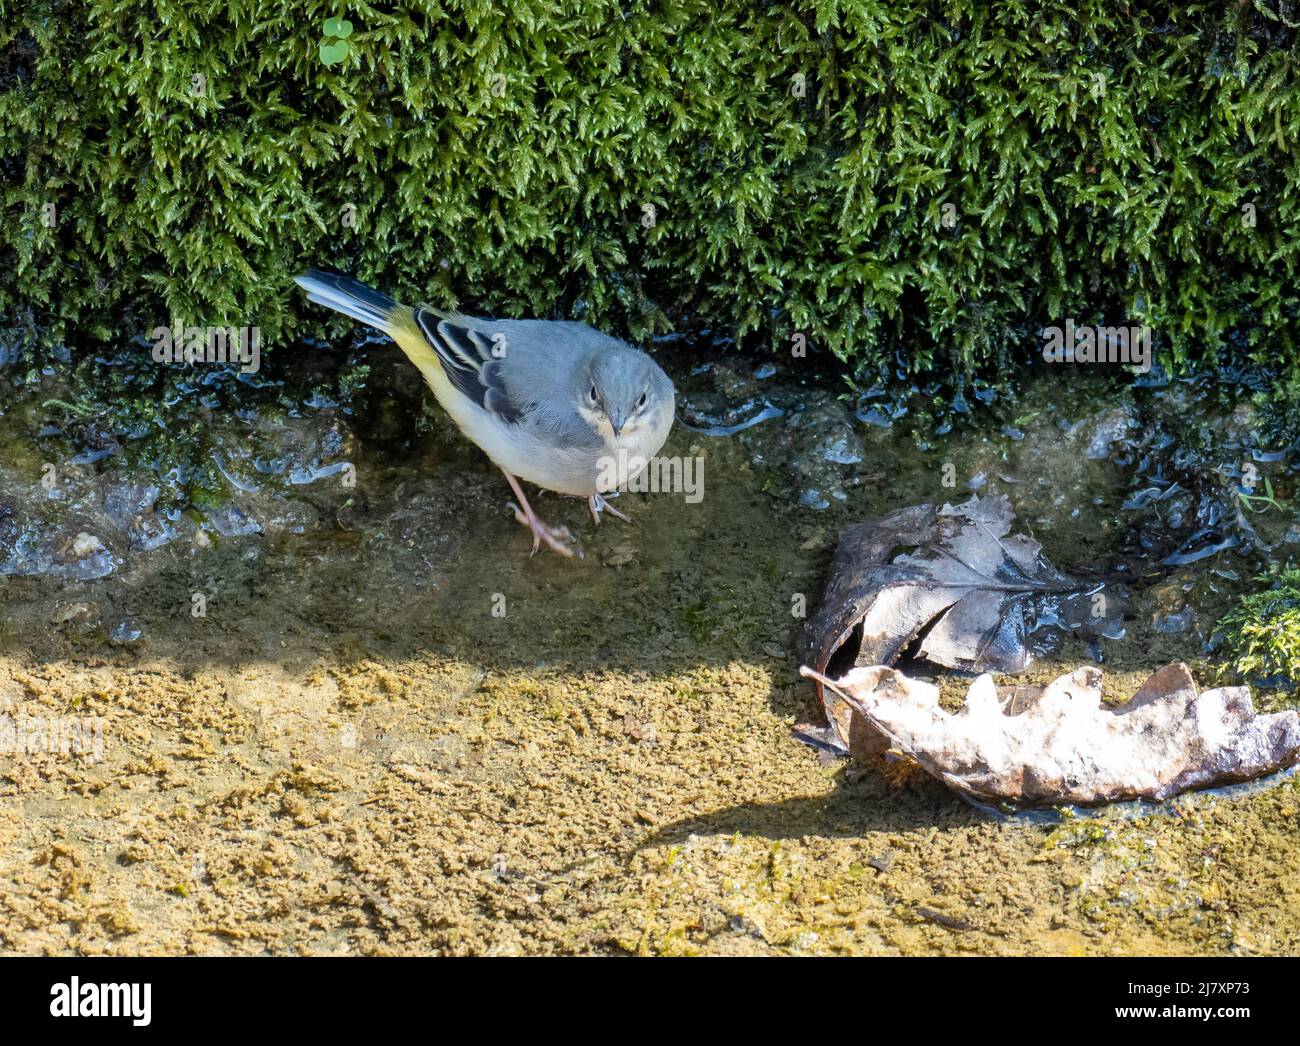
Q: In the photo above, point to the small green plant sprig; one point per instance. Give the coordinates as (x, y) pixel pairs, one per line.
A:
(334, 48)
(1262, 634)
(1260, 502)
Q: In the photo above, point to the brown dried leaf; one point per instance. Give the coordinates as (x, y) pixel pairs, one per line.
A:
(968, 591)
(1064, 745)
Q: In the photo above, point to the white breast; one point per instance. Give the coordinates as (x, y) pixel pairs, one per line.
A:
(527, 454)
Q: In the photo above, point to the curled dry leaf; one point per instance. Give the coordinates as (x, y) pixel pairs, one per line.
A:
(963, 590)
(1064, 745)
(953, 586)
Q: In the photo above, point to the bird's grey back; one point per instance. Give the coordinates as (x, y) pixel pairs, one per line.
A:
(538, 365)
(541, 356)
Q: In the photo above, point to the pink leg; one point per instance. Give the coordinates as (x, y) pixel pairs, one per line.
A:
(556, 538)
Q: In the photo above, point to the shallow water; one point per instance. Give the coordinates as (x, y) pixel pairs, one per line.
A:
(391, 730)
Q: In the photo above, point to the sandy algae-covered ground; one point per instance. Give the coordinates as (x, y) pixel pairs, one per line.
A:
(396, 733)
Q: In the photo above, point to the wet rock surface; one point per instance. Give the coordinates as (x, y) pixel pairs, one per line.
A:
(805, 442)
(78, 520)
(382, 727)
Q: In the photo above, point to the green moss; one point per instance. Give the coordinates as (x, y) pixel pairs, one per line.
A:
(1262, 635)
(697, 619)
(914, 176)
(1279, 414)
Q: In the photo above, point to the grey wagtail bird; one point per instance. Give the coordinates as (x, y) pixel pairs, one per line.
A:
(555, 403)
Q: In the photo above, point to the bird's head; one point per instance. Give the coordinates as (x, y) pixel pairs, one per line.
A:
(622, 391)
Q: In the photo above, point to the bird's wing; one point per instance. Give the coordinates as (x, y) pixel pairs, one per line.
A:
(472, 359)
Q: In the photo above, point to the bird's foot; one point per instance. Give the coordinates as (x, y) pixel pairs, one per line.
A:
(558, 539)
(598, 504)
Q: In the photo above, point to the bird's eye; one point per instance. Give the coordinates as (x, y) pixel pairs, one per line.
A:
(641, 401)
(593, 394)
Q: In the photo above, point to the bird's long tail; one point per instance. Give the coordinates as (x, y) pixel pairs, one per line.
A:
(353, 298)
(376, 309)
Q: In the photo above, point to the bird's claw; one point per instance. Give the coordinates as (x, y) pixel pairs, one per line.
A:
(598, 504)
(558, 539)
